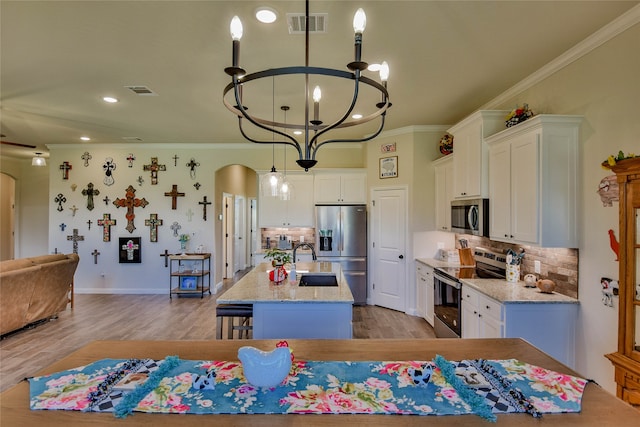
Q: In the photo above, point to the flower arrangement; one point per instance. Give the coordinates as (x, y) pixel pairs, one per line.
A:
(184, 238)
(446, 144)
(278, 257)
(518, 115)
(612, 160)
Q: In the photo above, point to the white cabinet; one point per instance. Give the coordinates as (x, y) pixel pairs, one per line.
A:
(296, 212)
(443, 169)
(424, 291)
(470, 164)
(533, 182)
(338, 188)
(481, 315)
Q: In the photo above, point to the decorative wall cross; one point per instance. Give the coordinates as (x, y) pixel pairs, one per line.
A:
(106, 222)
(153, 222)
(175, 160)
(60, 199)
(130, 202)
(174, 194)
(95, 254)
(166, 258)
(192, 167)
(74, 186)
(89, 222)
(175, 227)
(65, 167)
(106, 200)
(62, 226)
(140, 180)
(130, 159)
(130, 247)
(154, 167)
(109, 166)
(75, 238)
(189, 214)
(86, 157)
(197, 185)
(90, 192)
(204, 204)
(73, 209)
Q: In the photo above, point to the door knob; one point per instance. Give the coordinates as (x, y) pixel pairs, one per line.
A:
(401, 257)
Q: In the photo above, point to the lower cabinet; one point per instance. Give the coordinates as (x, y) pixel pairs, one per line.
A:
(424, 291)
(549, 326)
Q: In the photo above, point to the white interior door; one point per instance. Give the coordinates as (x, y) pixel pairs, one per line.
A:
(227, 231)
(389, 231)
(239, 235)
(253, 232)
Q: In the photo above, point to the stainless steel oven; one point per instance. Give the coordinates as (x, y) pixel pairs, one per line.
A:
(447, 305)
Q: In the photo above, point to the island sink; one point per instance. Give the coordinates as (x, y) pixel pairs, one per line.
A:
(318, 280)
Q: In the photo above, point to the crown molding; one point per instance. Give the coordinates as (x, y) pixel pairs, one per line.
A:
(413, 129)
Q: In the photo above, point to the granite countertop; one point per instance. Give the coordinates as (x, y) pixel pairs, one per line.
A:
(255, 287)
(515, 293)
(432, 262)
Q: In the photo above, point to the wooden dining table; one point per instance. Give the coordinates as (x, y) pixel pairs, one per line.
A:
(599, 407)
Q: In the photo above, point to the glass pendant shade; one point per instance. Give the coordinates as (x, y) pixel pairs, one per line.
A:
(286, 189)
(270, 183)
(38, 160)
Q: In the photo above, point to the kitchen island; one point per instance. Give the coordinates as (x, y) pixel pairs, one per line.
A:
(287, 310)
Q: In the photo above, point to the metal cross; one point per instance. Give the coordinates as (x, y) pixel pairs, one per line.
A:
(89, 222)
(73, 209)
(130, 159)
(130, 202)
(154, 167)
(130, 247)
(62, 226)
(192, 165)
(189, 214)
(197, 185)
(140, 180)
(166, 258)
(60, 199)
(90, 192)
(175, 160)
(174, 194)
(204, 204)
(109, 166)
(75, 238)
(95, 254)
(65, 167)
(86, 157)
(153, 222)
(106, 222)
(175, 227)
(106, 200)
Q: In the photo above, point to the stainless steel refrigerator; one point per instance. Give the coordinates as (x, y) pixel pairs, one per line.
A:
(341, 236)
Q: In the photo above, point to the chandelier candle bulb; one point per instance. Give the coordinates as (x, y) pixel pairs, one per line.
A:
(317, 96)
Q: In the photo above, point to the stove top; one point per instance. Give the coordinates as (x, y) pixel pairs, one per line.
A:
(489, 265)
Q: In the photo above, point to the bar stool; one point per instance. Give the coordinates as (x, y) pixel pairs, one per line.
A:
(243, 312)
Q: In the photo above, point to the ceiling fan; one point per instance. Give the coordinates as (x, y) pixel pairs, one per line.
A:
(15, 144)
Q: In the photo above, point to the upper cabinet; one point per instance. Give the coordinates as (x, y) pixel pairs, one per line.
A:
(470, 164)
(340, 188)
(443, 169)
(533, 182)
(296, 212)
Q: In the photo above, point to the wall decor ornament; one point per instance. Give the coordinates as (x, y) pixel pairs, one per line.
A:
(197, 185)
(95, 254)
(90, 192)
(192, 165)
(389, 167)
(73, 209)
(75, 238)
(130, 159)
(106, 222)
(518, 115)
(130, 202)
(175, 160)
(174, 194)
(60, 199)
(153, 222)
(388, 148)
(175, 227)
(614, 244)
(130, 250)
(166, 256)
(154, 168)
(446, 144)
(109, 166)
(140, 180)
(89, 222)
(74, 186)
(86, 157)
(609, 190)
(106, 200)
(62, 226)
(65, 167)
(204, 204)
(189, 214)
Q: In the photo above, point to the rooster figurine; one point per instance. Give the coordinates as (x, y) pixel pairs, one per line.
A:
(615, 246)
(265, 369)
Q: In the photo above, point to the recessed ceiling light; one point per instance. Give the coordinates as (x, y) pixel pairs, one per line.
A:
(356, 116)
(297, 132)
(85, 138)
(110, 99)
(266, 15)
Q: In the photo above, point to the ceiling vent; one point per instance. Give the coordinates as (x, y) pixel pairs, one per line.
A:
(131, 138)
(141, 90)
(317, 23)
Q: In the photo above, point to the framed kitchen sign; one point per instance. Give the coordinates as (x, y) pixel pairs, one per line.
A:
(389, 167)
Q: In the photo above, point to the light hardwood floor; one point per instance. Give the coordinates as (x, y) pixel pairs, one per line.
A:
(155, 317)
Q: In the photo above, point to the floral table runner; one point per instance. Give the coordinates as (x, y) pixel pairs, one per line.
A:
(438, 387)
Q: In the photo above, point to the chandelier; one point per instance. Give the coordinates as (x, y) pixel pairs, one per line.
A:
(312, 129)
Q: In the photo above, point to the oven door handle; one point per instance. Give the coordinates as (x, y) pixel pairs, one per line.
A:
(448, 282)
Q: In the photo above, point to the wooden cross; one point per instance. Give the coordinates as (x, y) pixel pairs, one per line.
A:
(130, 159)
(106, 222)
(175, 160)
(153, 222)
(65, 167)
(189, 214)
(62, 226)
(95, 254)
(89, 222)
(73, 209)
(130, 247)
(106, 200)
(166, 258)
(130, 202)
(154, 167)
(86, 157)
(175, 227)
(90, 192)
(204, 204)
(174, 194)
(75, 238)
(60, 199)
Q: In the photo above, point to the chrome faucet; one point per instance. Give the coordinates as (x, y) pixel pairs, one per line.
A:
(308, 245)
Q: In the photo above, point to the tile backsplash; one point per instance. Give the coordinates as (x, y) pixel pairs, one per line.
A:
(294, 236)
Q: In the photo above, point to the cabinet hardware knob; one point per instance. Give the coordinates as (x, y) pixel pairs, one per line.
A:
(401, 257)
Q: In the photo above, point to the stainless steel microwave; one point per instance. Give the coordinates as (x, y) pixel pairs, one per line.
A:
(470, 217)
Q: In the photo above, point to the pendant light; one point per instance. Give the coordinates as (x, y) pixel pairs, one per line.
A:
(286, 187)
(271, 183)
(38, 160)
